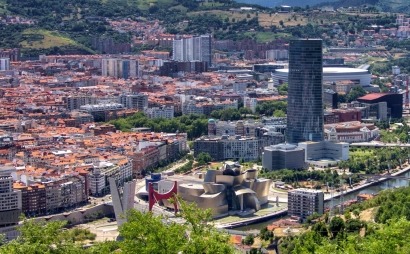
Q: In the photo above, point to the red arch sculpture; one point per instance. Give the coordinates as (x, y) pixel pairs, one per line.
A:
(154, 196)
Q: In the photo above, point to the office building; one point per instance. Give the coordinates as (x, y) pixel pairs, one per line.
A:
(394, 102)
(10, 202)
(305, 92)
(283, 156)
(304, 202)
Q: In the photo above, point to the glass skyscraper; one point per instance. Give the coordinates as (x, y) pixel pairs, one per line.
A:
(305, 93)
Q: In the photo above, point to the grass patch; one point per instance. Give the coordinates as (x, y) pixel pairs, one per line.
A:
(266, 36)
(40, 39)
(145, 4)
(288, 19)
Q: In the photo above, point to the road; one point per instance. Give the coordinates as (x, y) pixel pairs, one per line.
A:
(379, 144)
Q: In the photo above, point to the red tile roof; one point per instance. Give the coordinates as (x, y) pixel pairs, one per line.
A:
(372, 96)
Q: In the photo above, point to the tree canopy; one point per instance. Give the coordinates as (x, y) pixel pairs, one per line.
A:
(143, 233)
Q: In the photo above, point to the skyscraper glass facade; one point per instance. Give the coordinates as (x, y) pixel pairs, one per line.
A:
(305, 92)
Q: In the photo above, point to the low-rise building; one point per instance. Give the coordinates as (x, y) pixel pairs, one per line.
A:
(351, 132)
(283, 156)
(325, 150)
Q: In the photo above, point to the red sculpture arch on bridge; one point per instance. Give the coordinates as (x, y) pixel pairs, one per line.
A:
(154, 196)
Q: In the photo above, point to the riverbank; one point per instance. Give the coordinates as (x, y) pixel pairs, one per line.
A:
(253, 220)
(366, 185)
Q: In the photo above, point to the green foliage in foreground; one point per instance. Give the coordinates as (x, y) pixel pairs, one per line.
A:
(387, 238)
(389, 235)
(143, 233)
(392, 204)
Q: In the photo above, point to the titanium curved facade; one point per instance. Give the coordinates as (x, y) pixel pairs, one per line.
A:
(226, 191)
(305, 92)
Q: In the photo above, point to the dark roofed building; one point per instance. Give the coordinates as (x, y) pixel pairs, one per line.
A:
(394, 102)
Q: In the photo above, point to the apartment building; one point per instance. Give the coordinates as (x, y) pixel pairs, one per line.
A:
(33, 198)
(10, 202)
(304, 202)
(137, 101)
(75, 102)
(102, 170)
(65, 192)
(160, 112)
(119, 68)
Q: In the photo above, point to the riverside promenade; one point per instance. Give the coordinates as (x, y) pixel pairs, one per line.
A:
(380, 179)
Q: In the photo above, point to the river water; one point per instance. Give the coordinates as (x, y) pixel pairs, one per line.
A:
(389, 184)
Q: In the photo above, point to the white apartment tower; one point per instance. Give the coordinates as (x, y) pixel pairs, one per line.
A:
(119, 68)
(4, 64)
(197, 48)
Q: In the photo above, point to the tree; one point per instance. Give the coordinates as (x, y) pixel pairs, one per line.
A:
(203, 158)
(355, 93)
(146, 233)
(249, 239)
(279, 113)
(44, 237)
(266, 234)
(336, 226)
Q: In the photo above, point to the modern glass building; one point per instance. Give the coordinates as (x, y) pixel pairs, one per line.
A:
(305, 92)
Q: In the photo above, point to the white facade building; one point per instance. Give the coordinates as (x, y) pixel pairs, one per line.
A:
(98, 178)
(4, 64)
(197, 48)
(160, 112)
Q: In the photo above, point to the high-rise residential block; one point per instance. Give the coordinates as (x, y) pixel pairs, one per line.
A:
(119, 68)
(305, 92)
(10, 202)
(304, 202)
(197, 48)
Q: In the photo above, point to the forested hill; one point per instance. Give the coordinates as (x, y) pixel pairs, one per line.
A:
(401, 6)
(70, 25)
